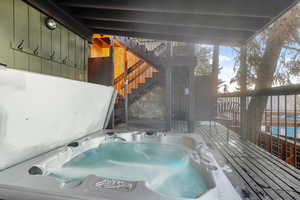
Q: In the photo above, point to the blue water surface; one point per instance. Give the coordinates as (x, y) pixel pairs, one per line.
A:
(290, 130)
(292, 117)
(166, 169)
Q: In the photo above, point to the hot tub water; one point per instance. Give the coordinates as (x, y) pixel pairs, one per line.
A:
(166, 169)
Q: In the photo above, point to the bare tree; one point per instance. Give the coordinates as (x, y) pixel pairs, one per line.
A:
(267, 63)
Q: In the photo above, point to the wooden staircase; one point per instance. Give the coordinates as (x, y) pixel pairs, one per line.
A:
(142, 76)
(152, 56)
(143, 88)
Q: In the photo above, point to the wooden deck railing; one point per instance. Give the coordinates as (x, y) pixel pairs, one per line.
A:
(278, 131)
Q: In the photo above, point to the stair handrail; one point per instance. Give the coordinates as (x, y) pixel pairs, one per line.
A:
(136, 65)
(137, 75)
(142, 52)
(158, 48)
(129, 70)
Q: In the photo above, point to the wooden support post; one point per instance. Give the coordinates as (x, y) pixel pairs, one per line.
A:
(191, 98)
(243, 85)
(215, 73)
(126, 87)
(112, 50)
(171, 49)
(168, 85)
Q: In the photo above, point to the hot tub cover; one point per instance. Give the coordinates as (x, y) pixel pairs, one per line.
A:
(40, 112)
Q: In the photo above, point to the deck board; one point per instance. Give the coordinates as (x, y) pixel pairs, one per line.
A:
(264, 166)
(253, 149)
(266, 176)
(277, 170)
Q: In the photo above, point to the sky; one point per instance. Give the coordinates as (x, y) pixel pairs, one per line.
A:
(227, 63)
(226, 60)
(227, 56)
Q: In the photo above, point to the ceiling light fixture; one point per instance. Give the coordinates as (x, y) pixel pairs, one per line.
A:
(50, 23)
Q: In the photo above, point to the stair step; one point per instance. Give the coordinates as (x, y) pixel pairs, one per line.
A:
(142, 90)
(149, 78)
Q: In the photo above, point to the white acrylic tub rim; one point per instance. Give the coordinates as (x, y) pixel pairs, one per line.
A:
(84, 144)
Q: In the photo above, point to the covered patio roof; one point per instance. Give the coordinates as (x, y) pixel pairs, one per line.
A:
(231, 22)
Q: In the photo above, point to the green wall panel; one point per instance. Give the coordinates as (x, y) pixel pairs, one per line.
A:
(68, 72)
(87, 53)
(56, 41)
(47, 67)
(20, 60)
(34, 30)
(79, 52)
(80, 75)
(46, 39)
(56, 69)
(64, 44)
(81, 55)
(6, 32)
(72, 47)
(35, 64)
(21, 23)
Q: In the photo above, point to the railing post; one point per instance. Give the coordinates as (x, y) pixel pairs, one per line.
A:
(169, 91)
(243, 85)
(191, 97)
(171, 48)
(215, 69)
(214, 87)
(168, 76)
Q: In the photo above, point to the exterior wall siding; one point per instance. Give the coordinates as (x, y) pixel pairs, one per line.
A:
(27, 44)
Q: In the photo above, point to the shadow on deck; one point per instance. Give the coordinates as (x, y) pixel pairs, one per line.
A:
(263, 175)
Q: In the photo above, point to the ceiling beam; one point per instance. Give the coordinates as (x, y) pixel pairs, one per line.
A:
(185, 20)
(51, 9)
(170, 37)
(168, 30)
(250, 8)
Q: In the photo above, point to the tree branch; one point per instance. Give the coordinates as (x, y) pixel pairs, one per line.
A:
(292, 48)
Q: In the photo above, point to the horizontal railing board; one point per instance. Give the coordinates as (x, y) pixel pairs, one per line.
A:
(284, 90)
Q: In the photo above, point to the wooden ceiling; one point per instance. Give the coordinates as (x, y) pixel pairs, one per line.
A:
(231, 22)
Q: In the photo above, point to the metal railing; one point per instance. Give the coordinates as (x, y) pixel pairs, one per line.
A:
(151, 45)
(147, 50)
(272, 119)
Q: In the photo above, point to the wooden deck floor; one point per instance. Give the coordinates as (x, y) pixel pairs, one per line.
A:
(264, 175)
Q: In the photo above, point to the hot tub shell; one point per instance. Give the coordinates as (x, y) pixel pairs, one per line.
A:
(94, 187)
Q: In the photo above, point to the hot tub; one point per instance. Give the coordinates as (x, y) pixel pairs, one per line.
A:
(167, 166)
(123, 166)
